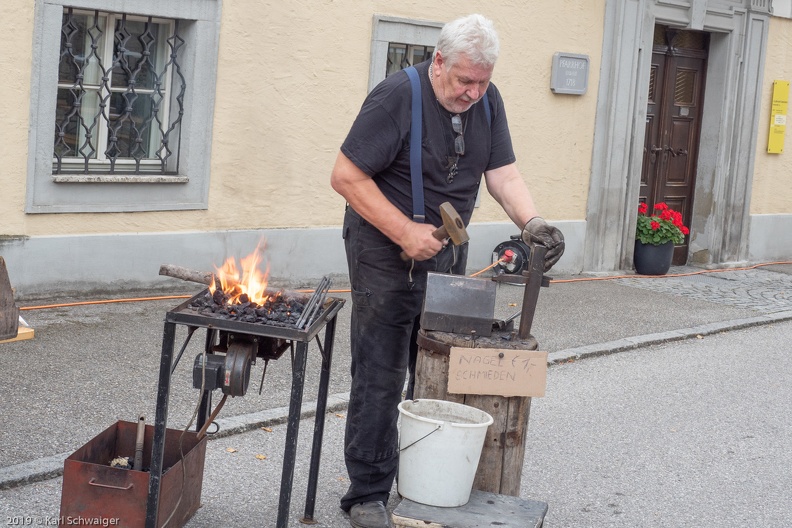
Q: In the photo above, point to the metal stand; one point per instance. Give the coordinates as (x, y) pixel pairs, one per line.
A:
(298, 380)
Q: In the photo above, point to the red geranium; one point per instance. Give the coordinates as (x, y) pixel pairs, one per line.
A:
(662, 226)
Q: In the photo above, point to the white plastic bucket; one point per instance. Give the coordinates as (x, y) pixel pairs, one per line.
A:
(440, 445)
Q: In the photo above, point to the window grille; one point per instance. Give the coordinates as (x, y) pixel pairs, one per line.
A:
(120, 98)
(402, 55)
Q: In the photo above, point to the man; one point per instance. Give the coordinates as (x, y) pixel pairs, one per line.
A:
(460, 141)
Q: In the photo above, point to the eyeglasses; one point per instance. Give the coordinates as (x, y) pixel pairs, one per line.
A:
(459, 147)
(459, 140)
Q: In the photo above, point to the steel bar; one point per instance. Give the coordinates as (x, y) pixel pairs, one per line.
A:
(190, 331)
(319, 304)
(319, 421)
(533, 284)
(292, 430)
(158, 447)
(313, 303)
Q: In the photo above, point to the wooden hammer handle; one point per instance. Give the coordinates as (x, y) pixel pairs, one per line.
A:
(440, 233)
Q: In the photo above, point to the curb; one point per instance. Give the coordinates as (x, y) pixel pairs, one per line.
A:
(52, 467)
(631, 343)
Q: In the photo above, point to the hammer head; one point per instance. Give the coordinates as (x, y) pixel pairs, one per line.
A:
(453, 224)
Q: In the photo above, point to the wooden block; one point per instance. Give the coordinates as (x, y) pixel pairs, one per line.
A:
(23, 334)
(9, 312)
(483, 510)
(502, 455)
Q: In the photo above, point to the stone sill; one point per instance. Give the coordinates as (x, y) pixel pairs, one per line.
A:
(118, 178)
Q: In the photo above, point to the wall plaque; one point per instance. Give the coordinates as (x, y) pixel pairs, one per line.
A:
(569, 74)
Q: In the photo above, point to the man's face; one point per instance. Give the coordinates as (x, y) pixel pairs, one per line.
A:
(460, 85)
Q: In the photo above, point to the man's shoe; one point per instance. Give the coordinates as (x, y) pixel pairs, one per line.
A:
(369, 515)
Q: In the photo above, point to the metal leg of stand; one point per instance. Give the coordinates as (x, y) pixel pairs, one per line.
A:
(290, 452)
(158, 448)
(205, 408)
(319, 422)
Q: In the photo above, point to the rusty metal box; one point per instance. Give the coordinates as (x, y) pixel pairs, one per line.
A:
(95, 492)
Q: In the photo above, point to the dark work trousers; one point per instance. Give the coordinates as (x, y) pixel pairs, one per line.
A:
(387, 296)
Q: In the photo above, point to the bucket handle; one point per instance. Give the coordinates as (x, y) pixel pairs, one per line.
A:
(93, 482)
(437, 428)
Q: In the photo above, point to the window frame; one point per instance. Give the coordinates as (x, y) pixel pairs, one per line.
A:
(388, 29)
(188, 188)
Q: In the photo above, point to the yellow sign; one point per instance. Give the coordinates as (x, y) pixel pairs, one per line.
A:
(778, 116)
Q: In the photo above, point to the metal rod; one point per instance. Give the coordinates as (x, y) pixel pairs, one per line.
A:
(158, 447)
(311, 303)
(202, 432)
(317, 307)
(190, 331)
(532, 286)
(319, 421)
(137, 463)
(292, 430)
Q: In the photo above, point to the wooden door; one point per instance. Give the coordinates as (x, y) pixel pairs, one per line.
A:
(673, 123)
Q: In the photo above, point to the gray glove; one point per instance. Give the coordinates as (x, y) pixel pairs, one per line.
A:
(537, 231)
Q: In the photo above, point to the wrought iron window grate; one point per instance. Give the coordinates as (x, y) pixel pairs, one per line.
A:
(401, 56)
(120, 100)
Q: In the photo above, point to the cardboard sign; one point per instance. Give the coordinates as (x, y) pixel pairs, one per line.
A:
(497, 372)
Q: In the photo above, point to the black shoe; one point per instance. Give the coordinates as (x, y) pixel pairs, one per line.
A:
(369, 515)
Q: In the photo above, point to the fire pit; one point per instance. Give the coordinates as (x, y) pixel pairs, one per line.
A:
(245, 320)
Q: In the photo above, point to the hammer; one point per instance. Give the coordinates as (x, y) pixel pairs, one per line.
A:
(453, 227)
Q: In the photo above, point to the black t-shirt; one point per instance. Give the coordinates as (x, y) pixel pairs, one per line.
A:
(379, 145)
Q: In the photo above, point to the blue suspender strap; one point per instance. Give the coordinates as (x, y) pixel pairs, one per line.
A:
(487, 109)
(416, 170)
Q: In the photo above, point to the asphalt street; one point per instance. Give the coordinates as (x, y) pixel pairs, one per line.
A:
(686, 426)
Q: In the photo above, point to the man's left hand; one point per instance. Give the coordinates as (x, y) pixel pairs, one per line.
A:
(537, 231)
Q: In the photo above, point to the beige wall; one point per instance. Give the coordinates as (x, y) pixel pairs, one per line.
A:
(291, 78)
(14, 107)
(772, 183)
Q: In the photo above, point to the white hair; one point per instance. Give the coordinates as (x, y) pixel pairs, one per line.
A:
(473, 36)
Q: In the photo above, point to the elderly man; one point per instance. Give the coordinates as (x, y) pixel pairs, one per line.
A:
(464, 134)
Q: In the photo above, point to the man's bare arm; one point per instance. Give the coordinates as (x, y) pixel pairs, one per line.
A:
(367, 200)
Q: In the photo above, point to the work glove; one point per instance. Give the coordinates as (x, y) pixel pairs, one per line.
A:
(537, 231)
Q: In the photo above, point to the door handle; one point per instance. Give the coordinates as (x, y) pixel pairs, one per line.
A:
(678, 152)
(654, 150)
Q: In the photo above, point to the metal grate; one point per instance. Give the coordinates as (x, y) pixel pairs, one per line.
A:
(685, 87)
(120, 103)
(401, 56)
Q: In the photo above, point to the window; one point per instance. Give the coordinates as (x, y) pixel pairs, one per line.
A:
(121, 105)
(114, 94)
(401, 56)
(398, 43)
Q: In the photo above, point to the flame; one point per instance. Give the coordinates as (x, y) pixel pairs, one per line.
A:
(252, 281)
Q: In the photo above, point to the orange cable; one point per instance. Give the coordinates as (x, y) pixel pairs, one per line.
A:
(106, 301)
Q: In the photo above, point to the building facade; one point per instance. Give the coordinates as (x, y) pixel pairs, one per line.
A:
(182, 132)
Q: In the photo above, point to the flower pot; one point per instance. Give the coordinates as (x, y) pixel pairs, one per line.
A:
(653, 260)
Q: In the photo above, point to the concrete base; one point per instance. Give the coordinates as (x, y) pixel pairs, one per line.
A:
(483, 510)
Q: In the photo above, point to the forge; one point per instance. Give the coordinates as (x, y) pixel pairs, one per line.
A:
(245, 321)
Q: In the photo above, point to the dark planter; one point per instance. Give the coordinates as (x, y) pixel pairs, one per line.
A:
(653, 260)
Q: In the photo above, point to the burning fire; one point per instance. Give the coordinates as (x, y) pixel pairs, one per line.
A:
(252, 282)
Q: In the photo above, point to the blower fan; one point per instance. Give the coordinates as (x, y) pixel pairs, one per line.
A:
(514, 253)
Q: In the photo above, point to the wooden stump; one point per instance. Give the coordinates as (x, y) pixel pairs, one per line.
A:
(9, 312)
(500, 466)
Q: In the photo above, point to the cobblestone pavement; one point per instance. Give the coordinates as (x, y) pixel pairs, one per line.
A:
(759, 289)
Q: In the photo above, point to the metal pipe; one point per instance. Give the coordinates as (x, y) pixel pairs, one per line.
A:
(137, 464)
